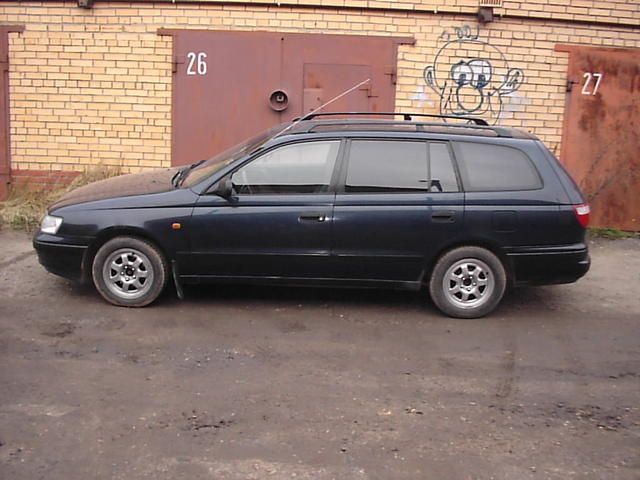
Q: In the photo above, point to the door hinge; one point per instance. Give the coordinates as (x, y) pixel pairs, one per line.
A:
(392, 72)
(371, 92)
(177, 60)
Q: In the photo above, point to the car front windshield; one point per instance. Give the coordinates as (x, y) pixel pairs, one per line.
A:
(228, 156)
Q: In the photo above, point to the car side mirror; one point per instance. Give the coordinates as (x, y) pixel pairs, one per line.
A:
(223, 188)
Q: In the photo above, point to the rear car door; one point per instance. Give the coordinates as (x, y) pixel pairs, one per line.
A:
(398, 202)
(277, 223)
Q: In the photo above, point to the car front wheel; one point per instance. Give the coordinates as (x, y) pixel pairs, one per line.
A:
(129, 272)
(468, 282)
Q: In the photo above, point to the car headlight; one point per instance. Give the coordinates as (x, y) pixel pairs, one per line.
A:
(50, 224)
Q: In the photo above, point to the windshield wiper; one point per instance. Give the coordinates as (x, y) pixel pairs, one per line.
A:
(181, 174)
(174, 179)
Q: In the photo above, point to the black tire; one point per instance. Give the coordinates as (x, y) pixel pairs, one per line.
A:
(483, 284)
(148, 278)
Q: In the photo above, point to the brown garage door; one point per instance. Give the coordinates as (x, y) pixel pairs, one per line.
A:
(5, 166)
(229, 86)
(601, 138)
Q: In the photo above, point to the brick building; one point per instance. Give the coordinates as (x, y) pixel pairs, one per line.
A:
(141, 84)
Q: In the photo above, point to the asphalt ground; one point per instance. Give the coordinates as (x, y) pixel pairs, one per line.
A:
(258, 382)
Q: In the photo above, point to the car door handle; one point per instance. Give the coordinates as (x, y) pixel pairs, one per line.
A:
(443, 216)
(313, 217)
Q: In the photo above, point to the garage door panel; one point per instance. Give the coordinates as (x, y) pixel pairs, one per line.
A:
(324, 82)
(224, 81)
(600, 138)
(221, 86)
(342, 56)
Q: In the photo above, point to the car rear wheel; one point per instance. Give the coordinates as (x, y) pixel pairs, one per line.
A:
(468, 282)
(129, 272)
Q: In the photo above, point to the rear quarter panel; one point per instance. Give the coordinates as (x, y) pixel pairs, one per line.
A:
(523, 217)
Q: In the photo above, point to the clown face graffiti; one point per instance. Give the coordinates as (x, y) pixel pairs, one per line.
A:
(471, 76)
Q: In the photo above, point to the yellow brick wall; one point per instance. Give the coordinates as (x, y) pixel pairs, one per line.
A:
(94, 86)
(618, 11)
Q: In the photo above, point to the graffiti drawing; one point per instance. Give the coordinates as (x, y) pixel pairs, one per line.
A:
(471, 76)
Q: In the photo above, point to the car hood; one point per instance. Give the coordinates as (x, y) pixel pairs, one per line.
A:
(154, 181)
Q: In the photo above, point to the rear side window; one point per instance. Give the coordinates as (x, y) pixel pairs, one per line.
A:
(399, 166)
(486, 167)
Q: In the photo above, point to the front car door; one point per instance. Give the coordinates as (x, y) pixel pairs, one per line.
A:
(398, 202)
(278, 221)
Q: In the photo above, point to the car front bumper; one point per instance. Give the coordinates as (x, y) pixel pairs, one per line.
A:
(549, 264)
(59, 256)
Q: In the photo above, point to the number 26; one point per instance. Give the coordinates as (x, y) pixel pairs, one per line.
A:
(197, 63)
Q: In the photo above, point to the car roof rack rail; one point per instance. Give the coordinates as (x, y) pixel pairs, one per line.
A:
(460, 128)
(406, 115)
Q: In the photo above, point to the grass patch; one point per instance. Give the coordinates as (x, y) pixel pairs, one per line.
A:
(611, 233)
(26, 205)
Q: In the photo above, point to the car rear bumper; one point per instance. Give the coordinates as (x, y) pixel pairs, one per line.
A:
(60, 258)
(549, 264)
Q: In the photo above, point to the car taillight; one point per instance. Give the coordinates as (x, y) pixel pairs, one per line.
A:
(582, 214)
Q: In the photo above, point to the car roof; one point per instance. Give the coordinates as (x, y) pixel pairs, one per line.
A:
(349, 125)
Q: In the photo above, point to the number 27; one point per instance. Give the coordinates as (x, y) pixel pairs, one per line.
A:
(589, 76)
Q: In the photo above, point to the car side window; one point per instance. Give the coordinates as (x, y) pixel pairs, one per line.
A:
(486, 167)
(387, 166)
(296, 168)
(400, 166)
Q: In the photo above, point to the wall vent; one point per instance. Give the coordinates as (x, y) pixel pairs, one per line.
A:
(491, 3)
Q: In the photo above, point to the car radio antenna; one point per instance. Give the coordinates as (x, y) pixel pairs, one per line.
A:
(302, 118)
